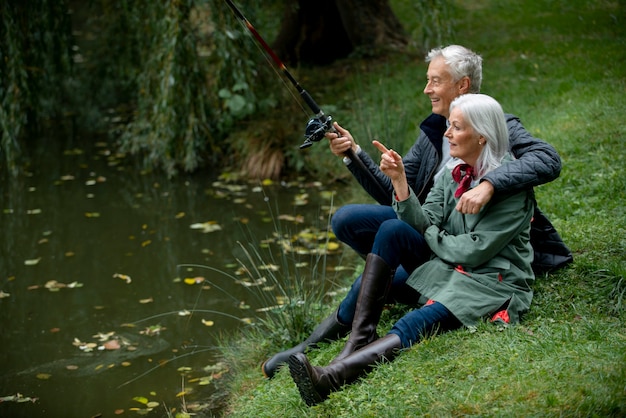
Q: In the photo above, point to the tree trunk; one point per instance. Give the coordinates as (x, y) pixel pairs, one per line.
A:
(320, 32)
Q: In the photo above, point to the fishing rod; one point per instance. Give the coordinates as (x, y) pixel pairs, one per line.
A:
(318, 125)
(321, 123)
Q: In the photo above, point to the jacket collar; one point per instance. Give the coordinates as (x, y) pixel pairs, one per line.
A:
(434, 126)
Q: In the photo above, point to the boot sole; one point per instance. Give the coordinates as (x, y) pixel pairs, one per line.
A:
(302, 378)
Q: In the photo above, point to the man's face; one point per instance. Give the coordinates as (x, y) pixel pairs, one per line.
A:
(441, 87)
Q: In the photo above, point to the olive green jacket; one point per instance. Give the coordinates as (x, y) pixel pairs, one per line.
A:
(481, 263)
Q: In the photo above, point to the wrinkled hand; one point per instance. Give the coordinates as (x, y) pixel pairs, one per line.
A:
(474, 199)
(340, 141)
(391, 164)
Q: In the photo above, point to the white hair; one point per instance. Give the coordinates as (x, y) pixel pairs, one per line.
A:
(462, 62)
(484, 114)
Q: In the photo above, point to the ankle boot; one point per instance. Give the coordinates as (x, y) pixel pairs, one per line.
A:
(329, 330)
(316, 383)
(375, 284)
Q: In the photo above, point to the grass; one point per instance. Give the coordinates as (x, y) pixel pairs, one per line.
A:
(557, 65)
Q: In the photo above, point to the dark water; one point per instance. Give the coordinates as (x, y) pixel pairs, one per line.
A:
(94, 250)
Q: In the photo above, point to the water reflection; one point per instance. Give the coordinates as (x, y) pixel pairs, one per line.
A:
(82, 221)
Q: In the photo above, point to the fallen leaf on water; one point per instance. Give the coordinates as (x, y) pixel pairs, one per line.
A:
(206, 227)
(43, 376)
(193, 280)
(53, 285)
(152, 330)
(4, 295)
(104, 336)
(141, 399)
(332, 246)
(297, 219)
(208, 323)
(270, 267)
(74, 285)
(183, 393)
(112, 345)
(32, 261)
(123, 277)
(147, 300)
(205, 380)
(19, 398)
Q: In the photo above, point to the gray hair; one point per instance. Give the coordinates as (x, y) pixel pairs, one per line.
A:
(485, 116)
(462, 62)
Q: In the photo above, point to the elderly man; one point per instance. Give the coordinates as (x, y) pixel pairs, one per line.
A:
(452, 71)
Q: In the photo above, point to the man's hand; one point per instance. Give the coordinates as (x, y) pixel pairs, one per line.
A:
(474, 199)
(340, 141)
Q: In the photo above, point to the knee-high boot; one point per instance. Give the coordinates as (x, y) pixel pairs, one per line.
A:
(329, 329)
(375, 284)
(316, 383)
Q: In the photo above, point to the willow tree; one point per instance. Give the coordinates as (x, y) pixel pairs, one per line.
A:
(177, 75)
(35, 68)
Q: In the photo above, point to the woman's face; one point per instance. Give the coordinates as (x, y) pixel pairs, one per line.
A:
(465, 143)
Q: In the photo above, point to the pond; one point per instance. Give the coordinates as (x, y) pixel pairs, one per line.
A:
(115, 283)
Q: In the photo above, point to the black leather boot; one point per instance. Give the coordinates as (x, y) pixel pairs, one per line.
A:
(375, 284)
(316, 383)
(329, 330)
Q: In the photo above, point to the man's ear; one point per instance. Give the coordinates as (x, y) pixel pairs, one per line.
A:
(464, 85)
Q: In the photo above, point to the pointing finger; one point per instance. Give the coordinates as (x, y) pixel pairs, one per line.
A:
(380, 147)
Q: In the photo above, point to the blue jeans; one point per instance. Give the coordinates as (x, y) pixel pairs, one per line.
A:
(427, 320)
(376, 229)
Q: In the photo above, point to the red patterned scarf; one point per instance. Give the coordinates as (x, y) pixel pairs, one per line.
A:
(462, 174)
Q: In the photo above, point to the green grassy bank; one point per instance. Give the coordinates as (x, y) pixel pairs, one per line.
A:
(559, 66)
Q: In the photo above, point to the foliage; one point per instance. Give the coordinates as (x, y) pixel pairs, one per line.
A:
(182, 84)
(186, 80)
(35, 69)
(567, 357)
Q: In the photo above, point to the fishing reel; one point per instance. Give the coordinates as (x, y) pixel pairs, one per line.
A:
(316, 128)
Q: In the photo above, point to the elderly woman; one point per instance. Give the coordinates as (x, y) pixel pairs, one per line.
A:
(481, 263)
